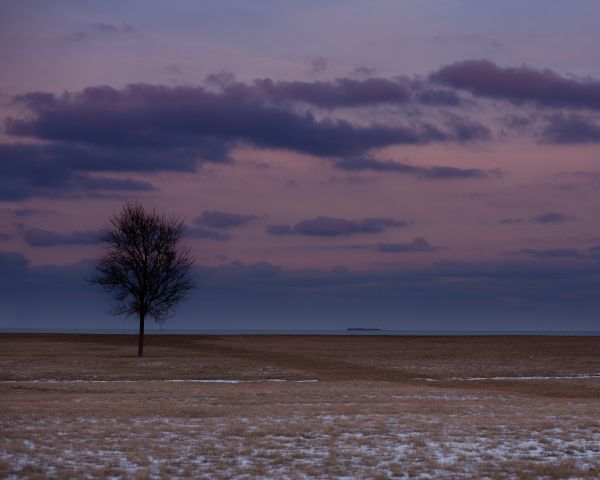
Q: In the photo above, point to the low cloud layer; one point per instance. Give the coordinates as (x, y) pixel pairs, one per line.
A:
(515, 294)
(336, 227)
(203, 233)
(552, 253)
(429, 173)
(37, 237)
(219, 220)
(586, 254)
(543, 218)
(419, 244)
(55, 170)
(571, 129)
(212, 225)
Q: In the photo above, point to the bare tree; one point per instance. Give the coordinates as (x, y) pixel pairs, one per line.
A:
(144, 266)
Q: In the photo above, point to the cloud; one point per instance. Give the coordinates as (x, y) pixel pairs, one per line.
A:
(419, 244)
(566, 129)
(37, 237)
(336, 227)
(439, 97)
(219, 220)
(552, 253)
(339, 92)
(28, 212)
(151, 128)
(464, 131)
(201, 233)
(520, 84)
(518, 122)
(445, 295)
(87, 182)
(587, 174)
(515, 274)
(223, 79)
(162, 118)
(63, 169)
(342, 92)
(103, 30)
(12, 264)
(542, 218)
(429, 173)
(551, 217)
(114, 29)
(595, 252)
(449, 294)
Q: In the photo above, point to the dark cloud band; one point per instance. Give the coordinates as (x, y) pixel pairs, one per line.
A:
(520, 84)
(219, 220)
(336, 227)
(430, 173)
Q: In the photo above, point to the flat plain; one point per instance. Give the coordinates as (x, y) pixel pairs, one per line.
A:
(84, 406)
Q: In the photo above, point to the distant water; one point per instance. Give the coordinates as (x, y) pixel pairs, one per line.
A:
(166, 331)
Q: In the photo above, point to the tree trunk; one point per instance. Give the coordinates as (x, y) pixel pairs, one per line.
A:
(141, 337)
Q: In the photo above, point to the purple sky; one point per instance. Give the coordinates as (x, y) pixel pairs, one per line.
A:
(419, 165)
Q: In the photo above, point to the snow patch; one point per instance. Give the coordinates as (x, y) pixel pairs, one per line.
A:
(182, 380)
(583, 376)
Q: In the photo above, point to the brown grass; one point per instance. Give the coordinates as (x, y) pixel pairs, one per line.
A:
(369, 416)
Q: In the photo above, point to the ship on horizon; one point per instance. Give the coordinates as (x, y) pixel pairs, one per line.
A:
(365, 329)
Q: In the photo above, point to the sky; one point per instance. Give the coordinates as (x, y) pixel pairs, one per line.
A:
(411, 165)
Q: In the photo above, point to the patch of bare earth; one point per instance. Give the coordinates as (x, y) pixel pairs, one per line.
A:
(85, 407)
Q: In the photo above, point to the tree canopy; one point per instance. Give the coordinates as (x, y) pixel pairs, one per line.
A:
(144, 267)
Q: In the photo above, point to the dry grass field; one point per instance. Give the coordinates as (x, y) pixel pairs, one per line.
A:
(83, 406)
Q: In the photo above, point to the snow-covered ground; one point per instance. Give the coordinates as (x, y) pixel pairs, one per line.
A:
(300, 407)
(386, 433)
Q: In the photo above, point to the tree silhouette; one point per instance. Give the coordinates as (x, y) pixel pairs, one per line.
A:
(144, 267)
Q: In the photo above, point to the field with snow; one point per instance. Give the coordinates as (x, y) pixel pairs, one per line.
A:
(83, 406)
